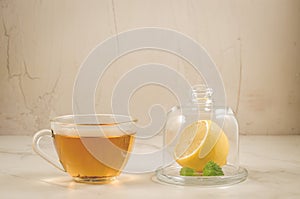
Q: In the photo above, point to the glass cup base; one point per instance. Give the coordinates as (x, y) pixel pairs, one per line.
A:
(94, 180)
(231, 176)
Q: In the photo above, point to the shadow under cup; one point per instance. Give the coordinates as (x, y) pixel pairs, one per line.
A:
(93, 148)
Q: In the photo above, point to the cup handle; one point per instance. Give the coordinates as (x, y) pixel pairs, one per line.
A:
(37, 148)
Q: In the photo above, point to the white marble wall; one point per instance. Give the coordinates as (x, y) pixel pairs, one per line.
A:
(255, 44)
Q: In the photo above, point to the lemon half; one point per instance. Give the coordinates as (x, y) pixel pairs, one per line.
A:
(201, 142)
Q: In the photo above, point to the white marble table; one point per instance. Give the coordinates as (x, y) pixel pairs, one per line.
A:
(273, 163)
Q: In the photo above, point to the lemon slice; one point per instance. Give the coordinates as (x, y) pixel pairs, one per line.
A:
(213, 136)
(201, 142)
(191, 139)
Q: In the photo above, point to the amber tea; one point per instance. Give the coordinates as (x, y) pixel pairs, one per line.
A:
(93, 157)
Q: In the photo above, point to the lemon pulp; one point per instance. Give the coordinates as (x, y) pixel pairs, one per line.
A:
(201, 142)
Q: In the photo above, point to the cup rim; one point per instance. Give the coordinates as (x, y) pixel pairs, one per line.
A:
(115, 122)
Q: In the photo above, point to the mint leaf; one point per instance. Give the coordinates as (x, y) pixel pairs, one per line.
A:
(212, 169)
(186, 171)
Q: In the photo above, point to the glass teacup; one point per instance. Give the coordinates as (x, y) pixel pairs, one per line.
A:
(91, 148)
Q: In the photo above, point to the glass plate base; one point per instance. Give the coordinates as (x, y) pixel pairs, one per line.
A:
(232, 175)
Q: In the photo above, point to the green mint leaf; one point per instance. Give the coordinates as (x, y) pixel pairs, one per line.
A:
(212, 169)
(186, 171)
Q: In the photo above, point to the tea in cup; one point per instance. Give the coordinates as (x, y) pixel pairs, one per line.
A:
(91, 148)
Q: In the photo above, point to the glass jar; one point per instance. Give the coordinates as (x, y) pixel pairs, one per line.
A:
(196, 134)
